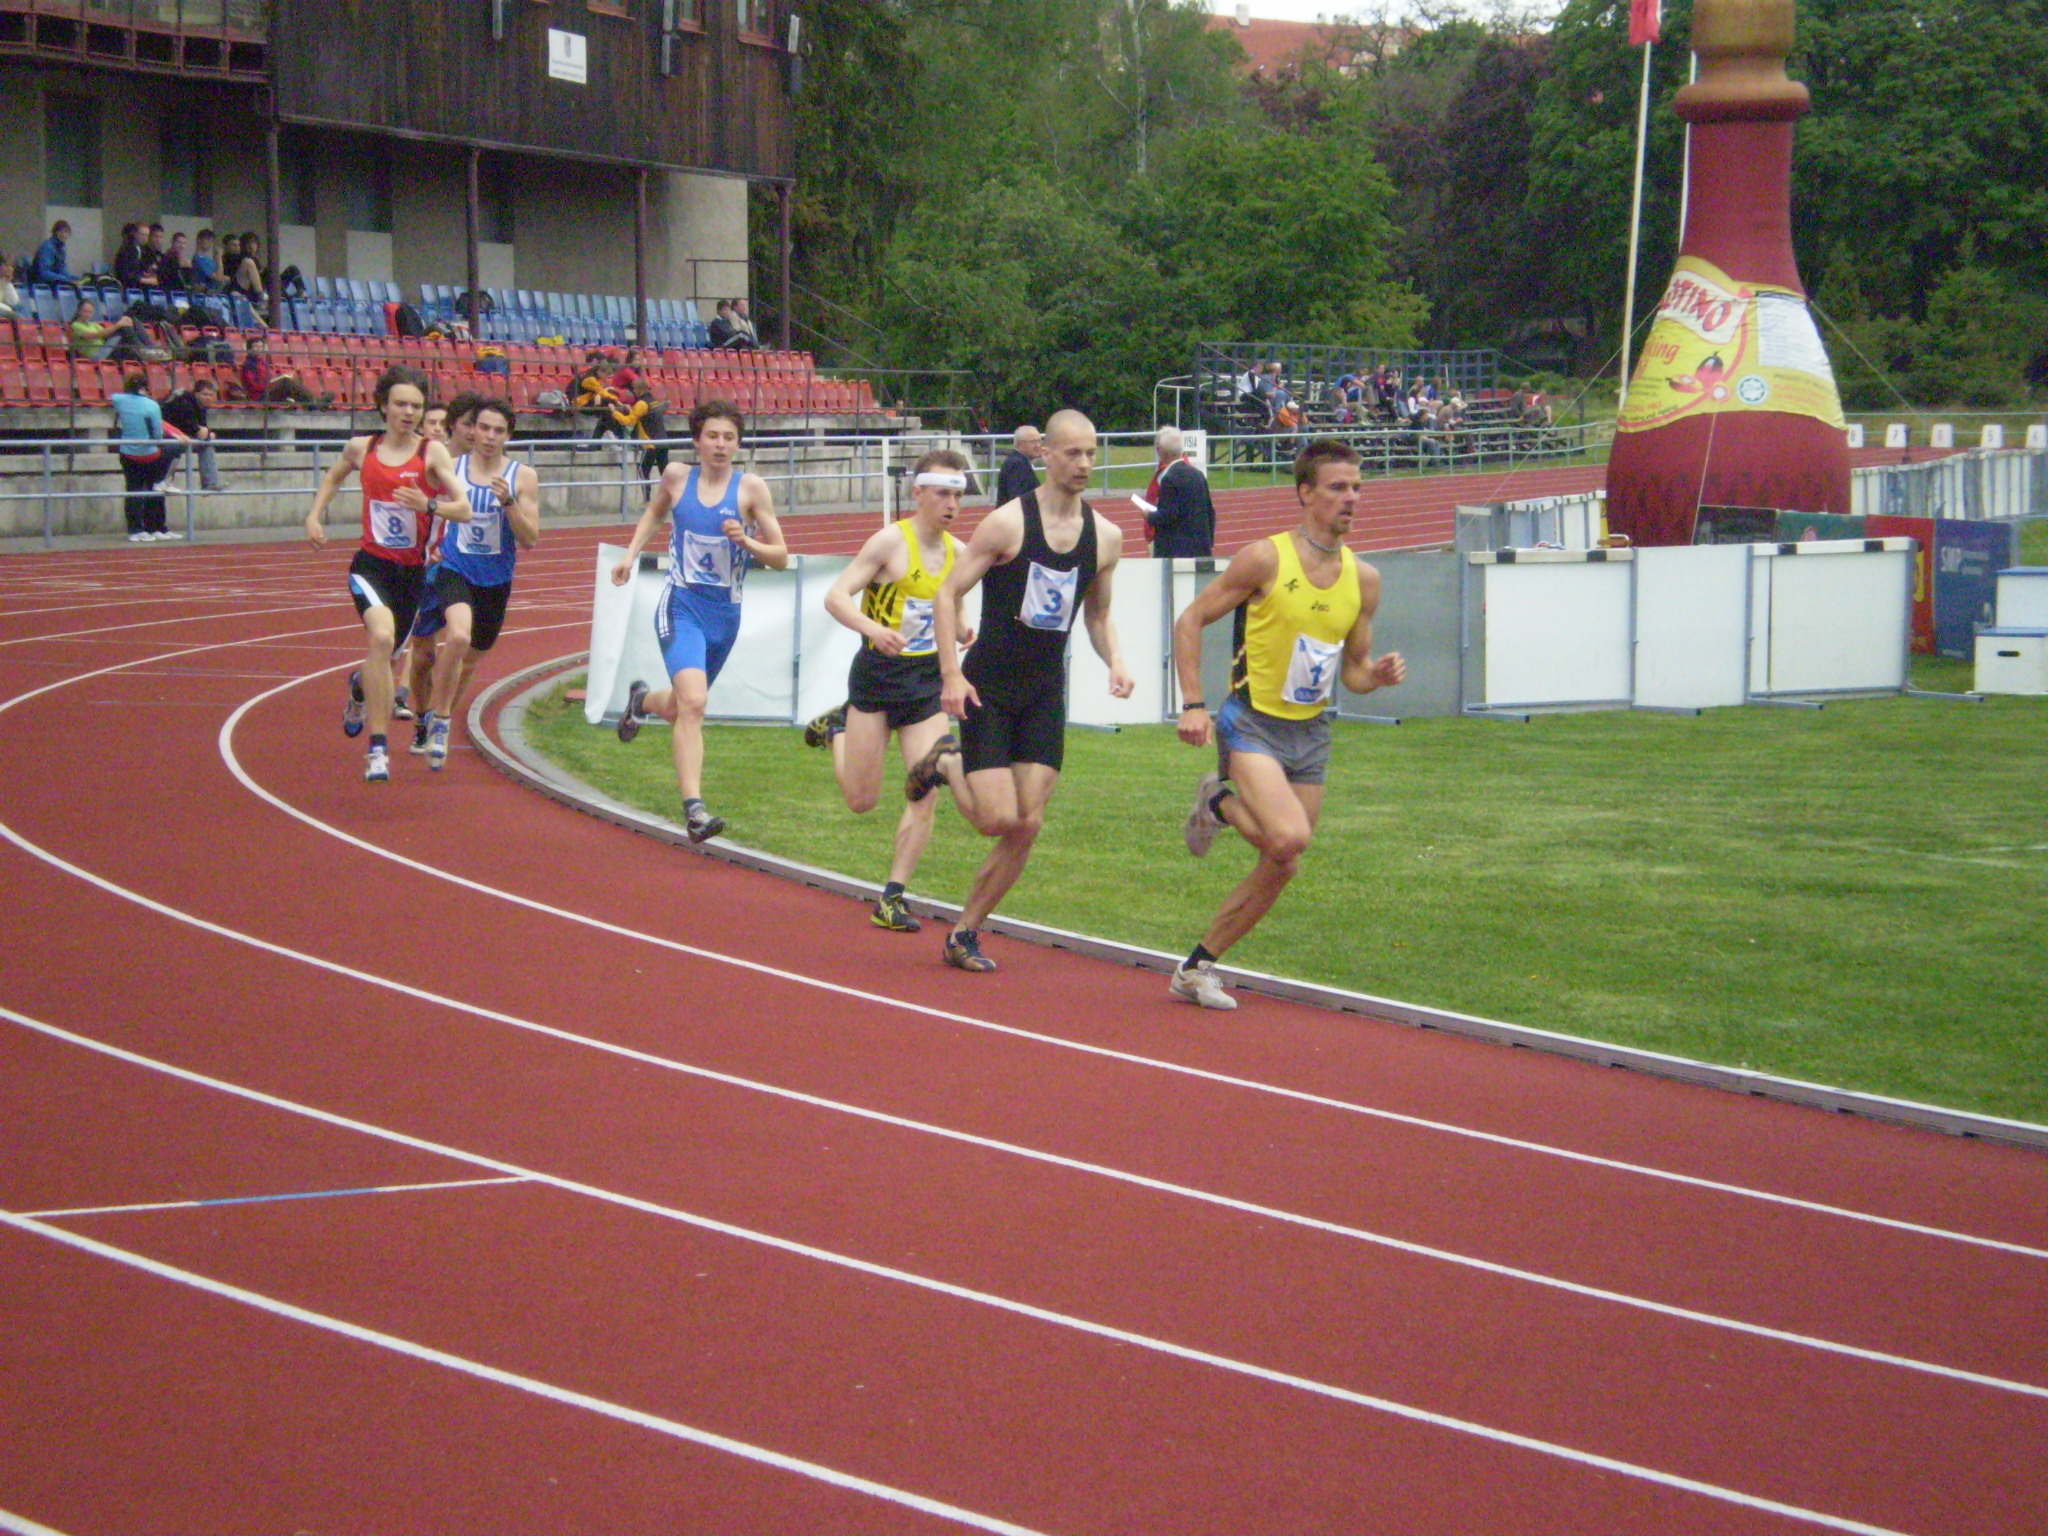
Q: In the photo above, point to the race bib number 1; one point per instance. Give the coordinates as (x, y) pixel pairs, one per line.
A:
(920, 627)
(1311, 671)
(393, 525)
(1049, 598)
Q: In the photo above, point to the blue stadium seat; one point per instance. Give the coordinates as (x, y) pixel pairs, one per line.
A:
(390, 294)
(323, 287)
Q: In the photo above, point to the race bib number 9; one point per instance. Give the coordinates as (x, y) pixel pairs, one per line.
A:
(484, 533)
(707, 562)
(393, 525)
(920, 627)
(1311, 671)
(1049, 598)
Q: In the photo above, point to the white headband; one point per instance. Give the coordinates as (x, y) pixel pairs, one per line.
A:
(941, 479)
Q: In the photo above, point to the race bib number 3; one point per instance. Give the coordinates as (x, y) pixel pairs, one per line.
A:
(393, 525)
(920, 628)
(707, 562)
(1049, 598)
(1311, 671)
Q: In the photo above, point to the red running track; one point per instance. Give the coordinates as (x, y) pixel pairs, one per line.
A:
(435, 1159)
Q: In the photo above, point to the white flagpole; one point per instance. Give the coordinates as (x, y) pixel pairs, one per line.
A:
(1635, 229)
(1685, 174)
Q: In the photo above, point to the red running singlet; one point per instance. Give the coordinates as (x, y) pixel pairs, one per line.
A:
(391, 530)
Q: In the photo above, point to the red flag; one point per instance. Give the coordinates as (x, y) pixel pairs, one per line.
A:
(1645, 21)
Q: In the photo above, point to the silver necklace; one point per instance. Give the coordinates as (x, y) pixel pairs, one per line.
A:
(1328, 549)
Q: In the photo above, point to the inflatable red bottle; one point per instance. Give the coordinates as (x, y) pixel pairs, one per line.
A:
(1732, 403)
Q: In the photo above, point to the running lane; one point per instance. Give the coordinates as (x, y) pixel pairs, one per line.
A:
(667, 1149)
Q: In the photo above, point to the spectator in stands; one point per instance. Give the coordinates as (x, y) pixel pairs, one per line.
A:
(95, 340)
(493, 360)
(154, 258)
(146, 458)
(1535, 410)
(176, 268)
(726, 332)
(627, 376)
(205, 264)
(591, 396)
(640, 416)
(262, 382)
(128, 256)
(186, 413)
(1017, 474)
(246, 279)
(743, 320)
(10, 299)
(52, 263)
(1183, 524)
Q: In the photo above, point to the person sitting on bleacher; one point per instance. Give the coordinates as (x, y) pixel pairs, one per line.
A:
(95, 341)
(591, 395)
(52, 264)
(155, 259)
(261, 382)
(628, 376)
(640, 416)
(129, 256)
(185, 412)
(205, 265)
(743, 321)
(726, 332)
(10, 299)
(246, 278)
(176, 268)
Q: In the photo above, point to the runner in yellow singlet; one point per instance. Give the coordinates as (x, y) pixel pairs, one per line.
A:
(1306, 605)
(888, 597)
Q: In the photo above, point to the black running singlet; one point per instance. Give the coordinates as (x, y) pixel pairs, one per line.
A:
(1028, 608)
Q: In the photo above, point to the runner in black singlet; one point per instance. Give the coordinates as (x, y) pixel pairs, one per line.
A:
(1047, 557)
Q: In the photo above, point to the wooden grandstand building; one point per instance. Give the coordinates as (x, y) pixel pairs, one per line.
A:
(580, 147)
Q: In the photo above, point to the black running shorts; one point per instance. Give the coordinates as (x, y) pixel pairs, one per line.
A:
(374, 582)
(904, 688)
(448, 587)
(1032, 729)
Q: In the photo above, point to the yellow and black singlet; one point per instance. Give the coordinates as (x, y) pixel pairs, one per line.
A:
(1290, 643)
(907, 603)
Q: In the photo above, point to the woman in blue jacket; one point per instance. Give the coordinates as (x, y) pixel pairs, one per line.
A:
(146, 458)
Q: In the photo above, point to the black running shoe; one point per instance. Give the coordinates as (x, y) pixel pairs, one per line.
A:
(893, 913)
(401, 705)
(629, 722)
(963, 951)
(701, 824)
(819, 732)
(353, 712)
(925, 776)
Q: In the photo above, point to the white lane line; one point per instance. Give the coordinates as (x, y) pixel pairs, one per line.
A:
(297, 1194)
(816, 1471)
(21, 1525)
(193, 618)
(443, 999)
(1129, 1058)
(947, 1288)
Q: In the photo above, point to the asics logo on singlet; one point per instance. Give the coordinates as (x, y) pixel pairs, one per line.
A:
(1290, 583)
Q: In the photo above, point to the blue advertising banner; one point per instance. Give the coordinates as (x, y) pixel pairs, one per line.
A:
(1967, 559)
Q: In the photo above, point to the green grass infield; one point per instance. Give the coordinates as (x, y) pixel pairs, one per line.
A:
(1851, 896)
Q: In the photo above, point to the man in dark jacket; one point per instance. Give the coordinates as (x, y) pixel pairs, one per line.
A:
(186, 411)
(1019, 473)
(1183, 524)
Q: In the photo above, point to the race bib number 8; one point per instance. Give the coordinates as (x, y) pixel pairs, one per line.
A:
(920, 627)
(393, 525)
(1049, 598)
(707, 562)
(1311, 671)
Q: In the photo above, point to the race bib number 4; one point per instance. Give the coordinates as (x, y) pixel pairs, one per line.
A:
(920, 628)
(1049, 598)
(707, 562)
(1311, 671)
(393, 525)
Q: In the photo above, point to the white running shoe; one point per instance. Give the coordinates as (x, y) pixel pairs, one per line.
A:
(377, 767)
(437, 741)
(1200, 829)
(140, 538)
(1198, 985)
(168, 537)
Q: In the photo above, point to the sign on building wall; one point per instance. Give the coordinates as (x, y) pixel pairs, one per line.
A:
(568, 57)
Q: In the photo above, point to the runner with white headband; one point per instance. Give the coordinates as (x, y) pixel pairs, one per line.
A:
(888, 597)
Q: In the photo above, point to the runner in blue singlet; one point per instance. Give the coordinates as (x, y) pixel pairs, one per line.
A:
(724, 522)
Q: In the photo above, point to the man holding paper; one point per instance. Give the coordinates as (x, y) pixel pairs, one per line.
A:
(1183, 521)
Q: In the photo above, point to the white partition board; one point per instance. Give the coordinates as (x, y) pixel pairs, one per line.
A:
(1139, 593)
(621, 635)
(827, 647)
(1835, 622)
(1691, 626)
(759, 681)
(1557, 632)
